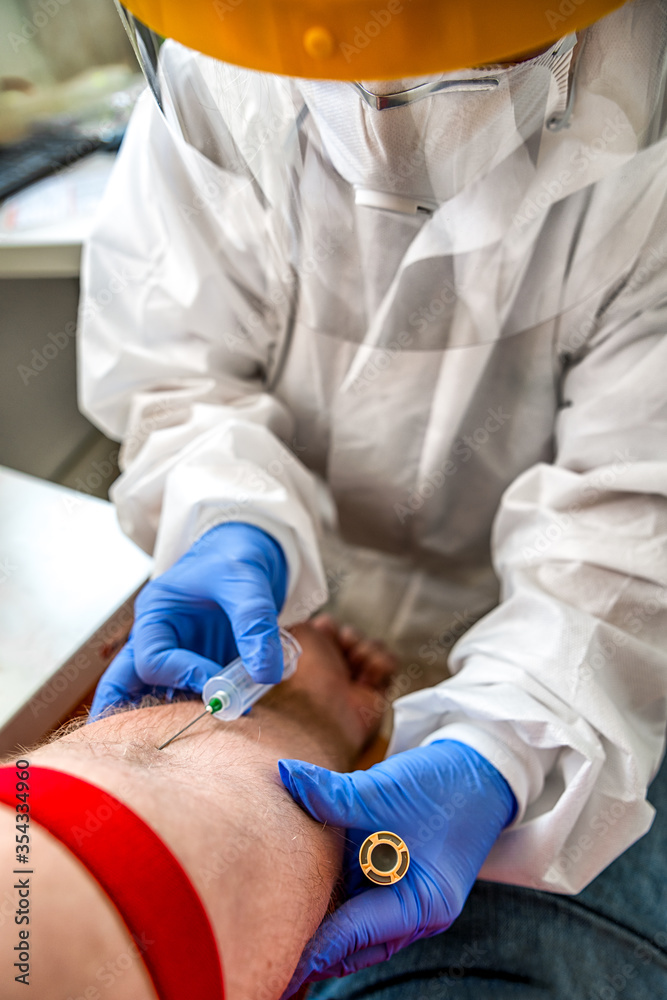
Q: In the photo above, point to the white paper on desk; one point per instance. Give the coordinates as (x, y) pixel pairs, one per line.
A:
(73, 193)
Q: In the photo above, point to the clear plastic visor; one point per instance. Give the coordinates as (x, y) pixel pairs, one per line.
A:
(469, 206)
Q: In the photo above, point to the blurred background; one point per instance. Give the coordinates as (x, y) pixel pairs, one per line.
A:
(68, 82)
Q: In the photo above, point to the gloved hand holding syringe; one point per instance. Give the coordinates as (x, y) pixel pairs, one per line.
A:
(232, 693)
(218, 601)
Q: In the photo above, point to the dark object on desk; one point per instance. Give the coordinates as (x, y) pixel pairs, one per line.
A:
(46, 151)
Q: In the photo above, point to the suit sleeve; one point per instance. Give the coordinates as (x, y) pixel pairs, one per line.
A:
(184, 300)
(563, 686)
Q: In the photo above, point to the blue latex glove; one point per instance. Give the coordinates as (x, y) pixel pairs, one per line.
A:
(219, 601)
(446, 802)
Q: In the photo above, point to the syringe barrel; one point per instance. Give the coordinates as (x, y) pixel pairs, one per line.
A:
(236, 688)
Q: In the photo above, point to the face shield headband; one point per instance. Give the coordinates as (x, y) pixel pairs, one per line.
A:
(356, 40)
(148, 44)
(457, 83)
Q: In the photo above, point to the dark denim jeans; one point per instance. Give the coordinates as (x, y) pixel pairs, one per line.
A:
(607, 943)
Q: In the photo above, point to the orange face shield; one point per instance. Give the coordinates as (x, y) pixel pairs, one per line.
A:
(366, 39)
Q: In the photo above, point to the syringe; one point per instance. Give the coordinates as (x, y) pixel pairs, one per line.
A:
(233, 692)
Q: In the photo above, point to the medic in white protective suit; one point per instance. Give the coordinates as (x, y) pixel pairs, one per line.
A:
(413, 331)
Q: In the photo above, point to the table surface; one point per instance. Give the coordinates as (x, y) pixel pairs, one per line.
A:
(43, 227)
(65, 567)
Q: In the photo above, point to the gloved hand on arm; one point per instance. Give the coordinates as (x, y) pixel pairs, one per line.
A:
(220, 600)
(448, 804)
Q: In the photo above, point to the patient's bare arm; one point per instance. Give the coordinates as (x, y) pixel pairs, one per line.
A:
(263, 869)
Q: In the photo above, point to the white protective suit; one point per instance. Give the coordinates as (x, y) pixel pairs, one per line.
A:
(423, 347)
